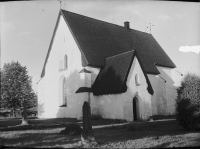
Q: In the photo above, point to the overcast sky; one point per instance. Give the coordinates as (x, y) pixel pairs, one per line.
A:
(27, 28)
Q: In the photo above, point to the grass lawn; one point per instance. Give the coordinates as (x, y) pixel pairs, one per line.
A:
(156, 134)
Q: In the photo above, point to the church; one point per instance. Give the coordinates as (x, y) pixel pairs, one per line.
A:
(121, 72)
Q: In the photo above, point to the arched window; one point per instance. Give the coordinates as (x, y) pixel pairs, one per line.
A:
(137, 80)
(65, 62)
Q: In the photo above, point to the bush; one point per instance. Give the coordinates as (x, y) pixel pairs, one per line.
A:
(188, 102)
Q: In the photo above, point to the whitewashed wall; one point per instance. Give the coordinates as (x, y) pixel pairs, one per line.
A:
(41, 98)
(159, 101)
(119, 106)
(63, 43)
(163, 100)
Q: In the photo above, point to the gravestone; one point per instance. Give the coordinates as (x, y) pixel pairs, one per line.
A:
(87, 134)
(24, 119)
(87, 125)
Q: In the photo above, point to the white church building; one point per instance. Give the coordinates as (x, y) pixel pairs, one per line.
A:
(123, 73)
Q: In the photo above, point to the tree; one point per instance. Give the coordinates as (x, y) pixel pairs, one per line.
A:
(188, 102)
(16, 87)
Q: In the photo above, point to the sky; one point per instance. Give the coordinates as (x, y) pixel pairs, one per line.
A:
(27, 26)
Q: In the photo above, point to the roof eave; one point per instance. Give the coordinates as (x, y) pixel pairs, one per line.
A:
(152, 73)
(95, 66)
(164, 66)
(52, 39)
(109, 93)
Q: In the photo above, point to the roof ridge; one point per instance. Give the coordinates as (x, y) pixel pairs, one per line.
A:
(104, 21)
(96, 19)
(140, 31)
(119, 54)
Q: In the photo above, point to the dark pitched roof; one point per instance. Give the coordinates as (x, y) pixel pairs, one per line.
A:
(99, 40)
(112, 78)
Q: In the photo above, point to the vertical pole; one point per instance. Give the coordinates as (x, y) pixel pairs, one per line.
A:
(24, 120)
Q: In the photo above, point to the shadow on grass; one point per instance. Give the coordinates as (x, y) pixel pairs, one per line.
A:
(38, 124)
(10, 123)
(35, 127)
(40, 139)
(152, 131)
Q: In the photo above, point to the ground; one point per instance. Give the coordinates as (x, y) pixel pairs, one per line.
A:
(108, 134)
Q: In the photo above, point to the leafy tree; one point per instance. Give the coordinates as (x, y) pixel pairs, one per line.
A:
(188, 102)
(16, 87)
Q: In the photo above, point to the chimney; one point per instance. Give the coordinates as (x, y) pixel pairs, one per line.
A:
(126, 25)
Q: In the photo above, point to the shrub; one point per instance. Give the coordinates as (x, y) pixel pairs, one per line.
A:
(188, 102)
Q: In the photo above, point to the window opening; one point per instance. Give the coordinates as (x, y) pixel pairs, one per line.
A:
(137, 80)
(65, 62)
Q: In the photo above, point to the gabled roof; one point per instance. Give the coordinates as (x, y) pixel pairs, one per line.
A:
(113, 77)
(99, 40)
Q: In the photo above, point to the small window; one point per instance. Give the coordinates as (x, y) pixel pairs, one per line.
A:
(65, 62)
(60, 64)
(137, 80)
(60, 67)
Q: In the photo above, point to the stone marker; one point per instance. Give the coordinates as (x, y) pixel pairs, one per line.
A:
(87, 133)
(87, 125)
(24, 119)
